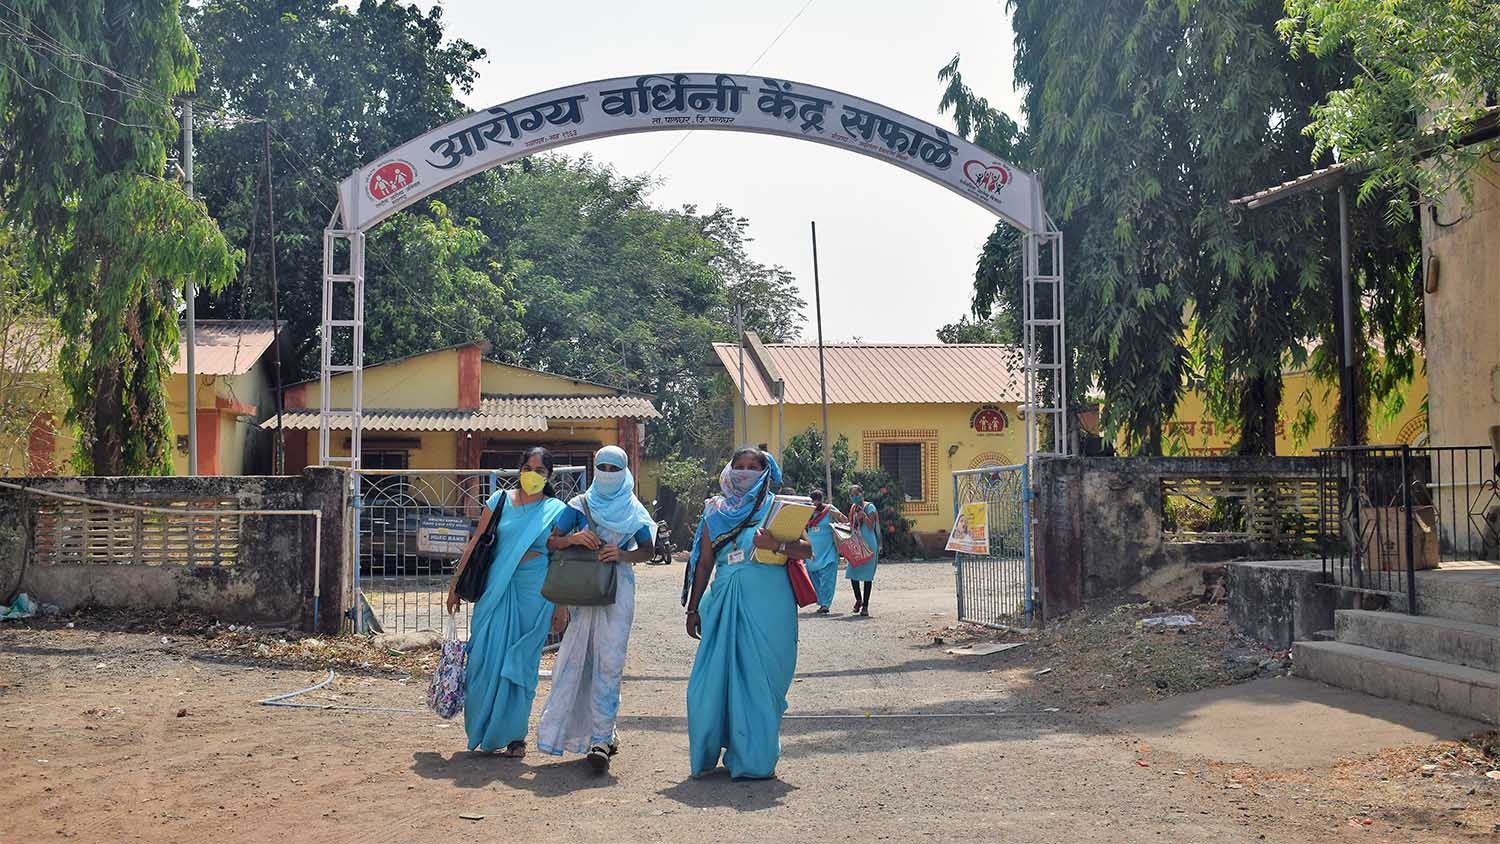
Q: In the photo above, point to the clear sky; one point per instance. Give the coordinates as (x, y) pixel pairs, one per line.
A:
(896, 253)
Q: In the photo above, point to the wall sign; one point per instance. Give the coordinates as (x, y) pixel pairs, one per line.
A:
(680, 101)
(442, 536)
(989, 420)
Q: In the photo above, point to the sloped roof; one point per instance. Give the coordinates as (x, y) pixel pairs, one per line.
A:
(495, 413)
(225, 346)
(972, 373)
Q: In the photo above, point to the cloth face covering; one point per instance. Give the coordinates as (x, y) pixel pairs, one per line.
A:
(532, 482)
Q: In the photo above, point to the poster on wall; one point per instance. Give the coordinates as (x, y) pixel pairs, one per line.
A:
(971, 530)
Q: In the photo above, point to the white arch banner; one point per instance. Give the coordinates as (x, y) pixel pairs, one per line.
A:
(676, 102)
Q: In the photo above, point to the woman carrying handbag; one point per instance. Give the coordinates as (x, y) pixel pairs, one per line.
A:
(511, 619)
(612, 524)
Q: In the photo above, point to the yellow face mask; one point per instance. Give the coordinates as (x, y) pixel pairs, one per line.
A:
(532, 482)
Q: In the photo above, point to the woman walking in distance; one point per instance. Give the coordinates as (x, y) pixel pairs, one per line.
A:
(823, 567)
(865, 518)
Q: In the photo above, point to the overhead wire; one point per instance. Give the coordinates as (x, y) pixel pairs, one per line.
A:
(682, 140)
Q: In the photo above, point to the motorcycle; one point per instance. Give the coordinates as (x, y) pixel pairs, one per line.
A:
(663, 550)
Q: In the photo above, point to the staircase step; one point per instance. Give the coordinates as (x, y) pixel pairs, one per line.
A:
(1455, 689)
(1460, 591)
(1441, 639)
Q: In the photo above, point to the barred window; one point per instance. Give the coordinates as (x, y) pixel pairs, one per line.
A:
(903, 461)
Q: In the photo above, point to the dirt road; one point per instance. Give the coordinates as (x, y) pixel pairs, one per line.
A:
(123, 737)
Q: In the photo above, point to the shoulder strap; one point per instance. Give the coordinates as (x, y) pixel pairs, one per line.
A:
(733, 533)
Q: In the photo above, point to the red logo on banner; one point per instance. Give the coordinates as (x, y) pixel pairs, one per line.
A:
(988, 420)
(391, 178)
(987, 177)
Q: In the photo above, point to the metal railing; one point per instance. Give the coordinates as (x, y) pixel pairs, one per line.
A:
(995, 588)
(413, 525)
(1401, 509)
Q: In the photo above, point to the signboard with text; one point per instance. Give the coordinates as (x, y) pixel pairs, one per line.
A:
(682, 101)
(442, 536)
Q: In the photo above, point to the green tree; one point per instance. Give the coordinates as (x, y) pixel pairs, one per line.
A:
(802, 463)
(437, 268)
(87, 117)
(1427, 70)
(337, 86)
(1001, 328)
(1145, 118)
(29, 337)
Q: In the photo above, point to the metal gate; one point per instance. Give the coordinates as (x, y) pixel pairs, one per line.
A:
(411, 525)
(995, 588)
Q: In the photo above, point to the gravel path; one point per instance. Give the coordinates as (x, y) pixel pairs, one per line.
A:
(96, 750)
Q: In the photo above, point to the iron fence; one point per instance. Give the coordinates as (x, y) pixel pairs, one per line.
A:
(413, 524)
(1400, 509)
(994, 582)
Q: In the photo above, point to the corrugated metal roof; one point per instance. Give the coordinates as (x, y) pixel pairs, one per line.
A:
(885, 374)
(224, 346)
(495, 413)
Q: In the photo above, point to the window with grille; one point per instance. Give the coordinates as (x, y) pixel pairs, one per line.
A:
(385, 486)
(903, 461)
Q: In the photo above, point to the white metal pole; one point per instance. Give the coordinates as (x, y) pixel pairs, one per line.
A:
(192, 299)
(822, 373)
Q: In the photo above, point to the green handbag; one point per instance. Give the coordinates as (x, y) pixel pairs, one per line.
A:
(576, 577)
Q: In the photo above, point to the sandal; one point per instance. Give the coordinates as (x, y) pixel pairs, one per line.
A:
(599, 756)
(514, 750)
(822, 611)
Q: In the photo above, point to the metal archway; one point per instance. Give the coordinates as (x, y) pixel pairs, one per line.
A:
(692, 101)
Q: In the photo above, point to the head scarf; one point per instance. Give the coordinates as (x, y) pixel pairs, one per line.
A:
(723, 512)
(611, 496)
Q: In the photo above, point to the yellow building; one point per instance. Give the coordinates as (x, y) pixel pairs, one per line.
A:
(919, 412)
(453, 409)
(1193, 430)
(233, 363)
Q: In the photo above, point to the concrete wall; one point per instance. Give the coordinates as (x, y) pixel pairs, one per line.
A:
(948, 443)
(1100, 525)
(268, 580)
(1463, 314)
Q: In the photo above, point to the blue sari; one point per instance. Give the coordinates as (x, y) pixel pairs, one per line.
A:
(823, 568)
(509, 627)
(866, 572)
(746, 658)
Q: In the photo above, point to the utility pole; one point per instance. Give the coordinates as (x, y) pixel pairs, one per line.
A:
(828, 492)
(278, 453)
(192, 298)
(739, 329)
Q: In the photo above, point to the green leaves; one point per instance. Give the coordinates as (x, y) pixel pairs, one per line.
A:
(89, 118)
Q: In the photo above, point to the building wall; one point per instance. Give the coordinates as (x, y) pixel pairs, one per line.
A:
(496, 379)
(940, 429)
(1463, 313)
(1193, 432)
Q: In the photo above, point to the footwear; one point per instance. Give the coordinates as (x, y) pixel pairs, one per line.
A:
(599, 756)
(822, 611)
(857, 607)
(864, 610)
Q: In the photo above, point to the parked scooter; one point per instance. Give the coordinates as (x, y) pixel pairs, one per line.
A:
(663, 555)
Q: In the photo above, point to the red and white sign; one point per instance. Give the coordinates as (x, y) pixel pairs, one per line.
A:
(989, 178)
(390, 179)
(989, 420)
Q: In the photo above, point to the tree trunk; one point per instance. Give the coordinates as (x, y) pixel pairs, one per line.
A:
(107, 408)
(1260, 405)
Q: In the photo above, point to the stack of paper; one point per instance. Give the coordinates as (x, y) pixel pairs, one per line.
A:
(787, 521)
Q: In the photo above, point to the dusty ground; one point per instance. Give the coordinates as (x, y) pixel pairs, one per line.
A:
(121, 736)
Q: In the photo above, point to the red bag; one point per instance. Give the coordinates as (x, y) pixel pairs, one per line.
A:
(802, 587)
(852, 546)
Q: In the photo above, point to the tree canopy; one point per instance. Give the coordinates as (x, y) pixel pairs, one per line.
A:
(1145, 119)
(86, 118)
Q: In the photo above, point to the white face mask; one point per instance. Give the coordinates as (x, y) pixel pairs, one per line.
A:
(608, 482)
(736, 483)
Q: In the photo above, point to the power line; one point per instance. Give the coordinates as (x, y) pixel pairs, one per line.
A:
(682, 140)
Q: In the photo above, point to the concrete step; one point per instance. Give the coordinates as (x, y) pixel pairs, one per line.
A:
(1324, 635)
(1459, 591)
(1455, 689)
(1441, 639)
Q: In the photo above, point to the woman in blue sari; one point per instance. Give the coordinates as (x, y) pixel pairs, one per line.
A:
(864, 516)
(746, 624)
(823, 566)
(511, 619)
